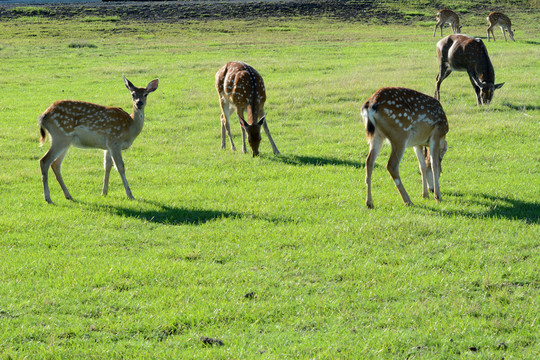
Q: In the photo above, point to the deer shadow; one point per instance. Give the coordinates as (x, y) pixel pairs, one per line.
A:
(167, 215)
(300, 160)
(498, 207)
(521, 107)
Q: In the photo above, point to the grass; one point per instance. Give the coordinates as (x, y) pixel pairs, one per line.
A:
(107, 277)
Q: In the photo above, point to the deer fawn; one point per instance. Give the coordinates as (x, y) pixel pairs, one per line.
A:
(406, 118)
(464, 53)
(241, 87)
(446, 16)
(503, 21)
(88, 125)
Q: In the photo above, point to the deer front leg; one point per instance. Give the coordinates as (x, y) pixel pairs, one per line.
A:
(107, 163)
(444, 72)
(424, 171)
(267, 131)
(435, 149)
(116, 154)
(393, 169)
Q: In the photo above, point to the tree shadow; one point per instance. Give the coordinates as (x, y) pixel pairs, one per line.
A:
(521, 107)
(300, 160)
(496, 206)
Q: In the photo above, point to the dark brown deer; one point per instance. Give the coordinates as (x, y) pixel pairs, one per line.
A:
(464, 53)
(241, 88)
(406, 118)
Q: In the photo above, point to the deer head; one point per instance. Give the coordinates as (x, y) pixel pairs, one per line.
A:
(253, 132)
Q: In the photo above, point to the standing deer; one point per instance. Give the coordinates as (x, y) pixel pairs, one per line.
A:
(446, 16)
(464, 53)
(503, 21)
(241, 87)
(406, 118)
(88, 125)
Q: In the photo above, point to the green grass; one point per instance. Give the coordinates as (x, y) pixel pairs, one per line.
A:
(106, 277)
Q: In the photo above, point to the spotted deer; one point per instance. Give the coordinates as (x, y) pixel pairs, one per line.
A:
(406, 118)
(446, 16)
(87, 125)
(464, 53)
(241, 88)
(501, 20)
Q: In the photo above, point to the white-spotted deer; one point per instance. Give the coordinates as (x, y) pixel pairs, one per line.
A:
(406, 118)
(446, 16)
(88, 125)
(501, 20)
(464, 53)
(241, 88)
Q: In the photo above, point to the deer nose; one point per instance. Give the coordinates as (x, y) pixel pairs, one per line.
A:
(255, 153)
(139, 103)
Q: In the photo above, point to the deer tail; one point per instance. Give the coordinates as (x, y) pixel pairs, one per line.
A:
(42, 132)
(367, 114)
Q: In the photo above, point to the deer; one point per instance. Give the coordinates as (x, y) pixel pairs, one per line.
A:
(503, 21)
(241, 88)
(446, 16)
(406, 118)
(88, 125)
(464, 53)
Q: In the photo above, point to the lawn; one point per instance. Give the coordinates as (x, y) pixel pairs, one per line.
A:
(275, 256)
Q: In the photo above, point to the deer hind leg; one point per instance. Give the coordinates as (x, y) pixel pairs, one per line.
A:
(58, 149)
(424, 170)
(393, 168)
(226, 111)
(375, 144)
(444, 72)
(56, 166)
(116, 154)
(490, 29)
(107, 163)
(435, 31)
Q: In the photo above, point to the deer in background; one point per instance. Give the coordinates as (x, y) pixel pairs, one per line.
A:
(446, 16)
(88, 125)
(241, 88)
(406, 118)
(464, 53)
(501, 20)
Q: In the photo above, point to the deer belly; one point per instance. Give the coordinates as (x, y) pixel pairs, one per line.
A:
(89, 139)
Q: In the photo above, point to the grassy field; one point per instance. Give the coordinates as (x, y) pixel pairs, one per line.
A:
(276, 256)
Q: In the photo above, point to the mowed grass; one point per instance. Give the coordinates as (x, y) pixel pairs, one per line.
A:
(105, 277)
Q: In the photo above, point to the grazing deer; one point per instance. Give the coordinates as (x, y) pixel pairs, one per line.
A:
(503, 21)
(241, 87)
(88, 125)
(464, 53)
(446, 16)
(406, 118)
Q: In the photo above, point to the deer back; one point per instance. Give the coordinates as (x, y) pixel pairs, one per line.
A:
(243, 86)
(404, 115)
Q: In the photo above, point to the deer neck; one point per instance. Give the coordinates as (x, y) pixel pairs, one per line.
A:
(138, 120)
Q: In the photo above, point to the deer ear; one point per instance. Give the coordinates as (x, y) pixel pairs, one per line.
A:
(243, 122)
(128, 83)
(261, 122)
(152, 86)
(498, 86)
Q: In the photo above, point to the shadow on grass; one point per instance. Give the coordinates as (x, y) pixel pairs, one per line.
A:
(521, 107)
(501, 207)
(300, 160)
(169, 215)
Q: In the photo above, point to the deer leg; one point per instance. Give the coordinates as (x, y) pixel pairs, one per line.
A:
(393, 168)
(435, 149)
(267, 131)
(424, 171)
(504, 33)
(476, 90)
(108, 163)
(444, 72)
(374, 147)
(116, 154)
(56, 166)
(240, 117)
(490, 29)
(225, 125)
(57, 149)
(435, 31)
